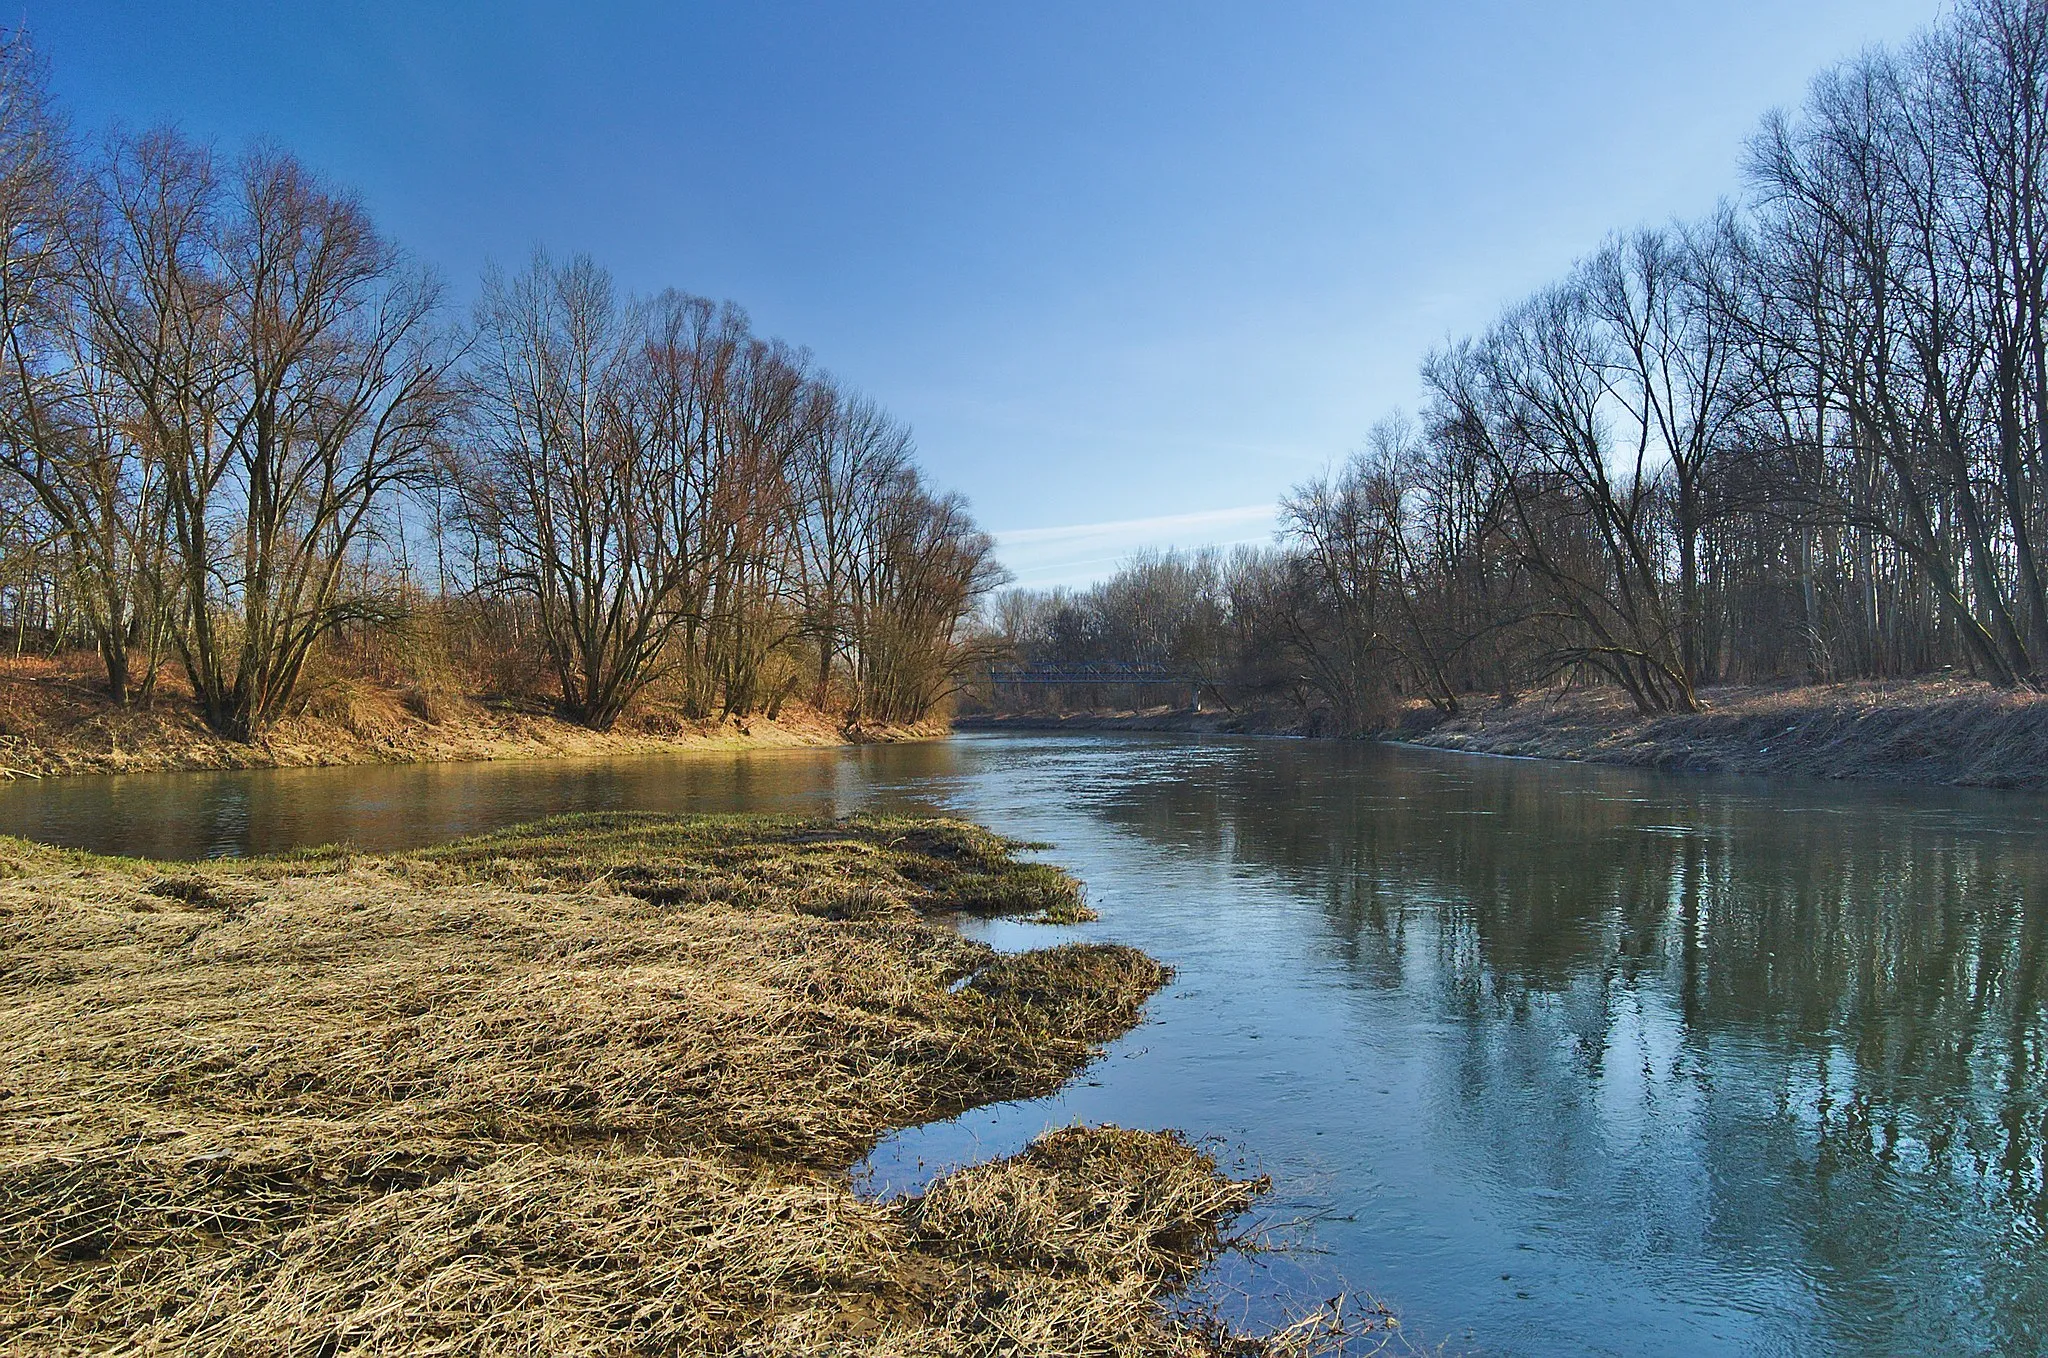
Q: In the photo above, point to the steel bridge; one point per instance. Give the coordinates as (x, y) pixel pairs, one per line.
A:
(1103, 674)
(1109, 672)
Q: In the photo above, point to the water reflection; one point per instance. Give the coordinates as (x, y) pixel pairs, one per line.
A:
(1562, 1059)
(201, 815)
(1712, 1013)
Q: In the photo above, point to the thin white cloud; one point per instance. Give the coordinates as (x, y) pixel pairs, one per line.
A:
(1082, 553)
(1165, 523)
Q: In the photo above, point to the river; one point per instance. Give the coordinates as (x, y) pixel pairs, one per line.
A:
(1548, 1058)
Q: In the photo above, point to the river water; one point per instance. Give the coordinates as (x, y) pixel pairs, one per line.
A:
(1549, 1059)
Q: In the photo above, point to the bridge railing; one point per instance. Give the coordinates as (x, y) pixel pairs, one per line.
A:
(1104, 673)
(1099, 674)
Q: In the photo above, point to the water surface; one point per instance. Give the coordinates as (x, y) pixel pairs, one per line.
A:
(1551, 1059)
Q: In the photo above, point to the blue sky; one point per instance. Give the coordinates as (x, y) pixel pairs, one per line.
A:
(1129, 269)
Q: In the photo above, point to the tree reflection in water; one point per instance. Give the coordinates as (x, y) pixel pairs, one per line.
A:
(1833, 992)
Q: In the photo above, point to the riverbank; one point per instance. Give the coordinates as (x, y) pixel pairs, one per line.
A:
(1957, 732)
(1939, 731)
(590, 1086)
(54, 720)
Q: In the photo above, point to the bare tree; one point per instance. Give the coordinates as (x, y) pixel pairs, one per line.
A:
(558, 474)
(849, 453)
(67, 430)
(921, 568)
(280, 363)
(1535, 397)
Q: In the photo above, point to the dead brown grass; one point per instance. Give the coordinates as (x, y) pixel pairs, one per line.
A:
(587, 1088)
(1953, 731)
(55, 720)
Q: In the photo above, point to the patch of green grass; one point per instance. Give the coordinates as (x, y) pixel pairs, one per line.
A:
(855, 867)
(840, 869)
(847, 868)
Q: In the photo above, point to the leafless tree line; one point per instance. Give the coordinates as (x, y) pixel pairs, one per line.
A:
(676, 496)
(1802, 437)
(234, 423)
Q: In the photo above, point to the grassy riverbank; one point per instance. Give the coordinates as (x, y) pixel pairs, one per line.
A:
(586, 1087)
(55, 719)
(1959, 732)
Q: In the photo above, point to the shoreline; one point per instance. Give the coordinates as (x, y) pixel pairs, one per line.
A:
(593, 1082)
(1935, 732)
(1924, 732)
(54, 724)
(1927, 733)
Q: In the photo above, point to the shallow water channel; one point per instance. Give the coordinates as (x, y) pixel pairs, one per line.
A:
(1549, 1059)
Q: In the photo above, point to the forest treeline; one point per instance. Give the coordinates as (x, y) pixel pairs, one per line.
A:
(1801, 437)
(241, 438)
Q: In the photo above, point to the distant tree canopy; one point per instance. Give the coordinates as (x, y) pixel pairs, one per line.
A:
(236, 428)
(1804, 437)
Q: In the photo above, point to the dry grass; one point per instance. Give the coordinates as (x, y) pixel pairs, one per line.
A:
(1088, 1200)
(586, 1088)
(1921, 731)
(55, 720)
